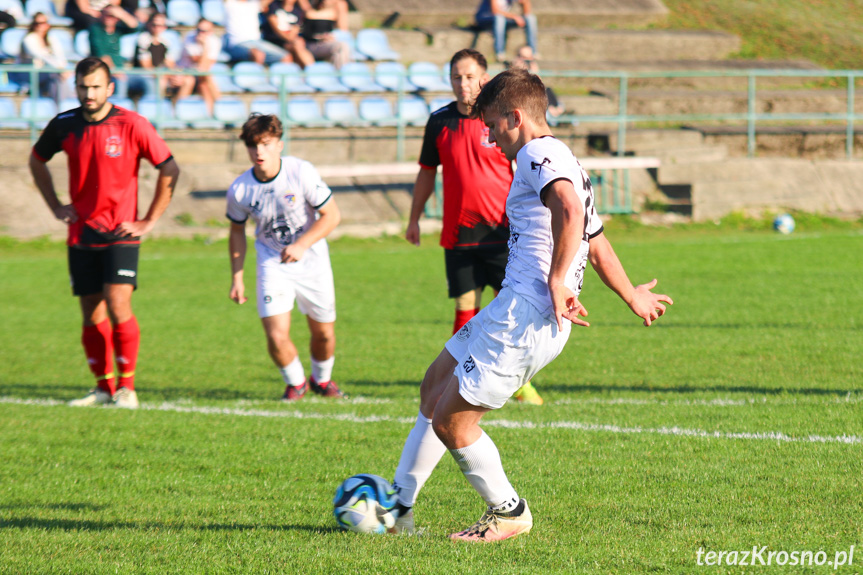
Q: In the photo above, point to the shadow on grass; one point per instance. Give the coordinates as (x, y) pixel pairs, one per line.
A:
(89, 525)
(64, 506)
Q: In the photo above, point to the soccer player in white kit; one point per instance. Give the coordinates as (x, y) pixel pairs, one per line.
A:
(554, 232)
(294, 211)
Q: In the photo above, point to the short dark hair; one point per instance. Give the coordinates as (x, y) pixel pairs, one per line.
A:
(259, 126)
(469, 53)
(89, 65)
(514, 88)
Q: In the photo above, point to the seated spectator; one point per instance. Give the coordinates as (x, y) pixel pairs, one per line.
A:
(40, 50)
(498, 15)
(525, 59)
(243, 34)
(152, 52)
(281, 26)
(317, 31)
(105, 37)
(84, 13)
(200, 50)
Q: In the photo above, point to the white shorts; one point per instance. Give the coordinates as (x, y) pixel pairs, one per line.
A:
(502, 348)
(279, 285)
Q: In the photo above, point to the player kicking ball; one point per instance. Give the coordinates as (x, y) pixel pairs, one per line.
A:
(554, 232)
(294, 211)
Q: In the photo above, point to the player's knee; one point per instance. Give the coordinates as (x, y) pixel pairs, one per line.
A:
(469, 300)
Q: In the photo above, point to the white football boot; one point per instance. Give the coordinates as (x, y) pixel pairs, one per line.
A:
(126, 398)
(95, 397)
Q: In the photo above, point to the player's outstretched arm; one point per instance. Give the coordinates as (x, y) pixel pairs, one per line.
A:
(330, 216)
(567, 229)
(643, 302)
(423, 189)
(43, 180)
(165, 184)
(237, 253)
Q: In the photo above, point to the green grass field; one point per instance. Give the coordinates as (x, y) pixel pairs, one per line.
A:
(736, 421)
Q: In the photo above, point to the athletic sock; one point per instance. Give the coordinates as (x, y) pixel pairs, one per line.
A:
(420, 456)
(462, 316)
(481, 465)
(96, 340)
(322, 371)
(293, 373)
(127, 341)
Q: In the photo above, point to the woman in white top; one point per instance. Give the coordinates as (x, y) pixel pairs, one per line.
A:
(43, 51)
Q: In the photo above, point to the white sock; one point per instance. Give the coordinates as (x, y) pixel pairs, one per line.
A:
(420, 456)
(322, 371)
(293, 373)
(482, 467)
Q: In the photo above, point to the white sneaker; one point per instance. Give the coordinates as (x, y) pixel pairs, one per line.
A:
(95, 397)
(404, 524)
(126, 398)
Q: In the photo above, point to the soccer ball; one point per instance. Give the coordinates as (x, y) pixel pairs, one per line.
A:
(784, 224)
(363, 504)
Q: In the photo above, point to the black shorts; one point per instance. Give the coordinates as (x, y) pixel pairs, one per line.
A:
(469, 269)
(91, 269)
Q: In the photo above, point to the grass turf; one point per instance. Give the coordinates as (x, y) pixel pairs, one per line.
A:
(718, 429)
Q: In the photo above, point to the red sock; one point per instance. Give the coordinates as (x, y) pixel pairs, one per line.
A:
(127, 339)
(462, 316)
(100, 354)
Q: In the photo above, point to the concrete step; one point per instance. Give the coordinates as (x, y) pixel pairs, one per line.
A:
(791, 101)
(638, 139)
(701, 153)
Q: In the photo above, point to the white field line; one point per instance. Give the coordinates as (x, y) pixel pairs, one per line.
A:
(777, 436)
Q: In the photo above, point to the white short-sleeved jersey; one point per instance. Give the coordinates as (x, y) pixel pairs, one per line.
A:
(541, 162)
(283, 209)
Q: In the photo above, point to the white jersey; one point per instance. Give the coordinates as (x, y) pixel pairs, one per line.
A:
(541, 162)
(283, 209)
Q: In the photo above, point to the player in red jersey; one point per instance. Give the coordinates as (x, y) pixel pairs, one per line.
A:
(104, 145)
(476, 180)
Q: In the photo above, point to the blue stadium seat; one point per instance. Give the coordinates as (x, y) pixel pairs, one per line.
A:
(8, 86)
(15, 7)
(224, 81)
(358, 77)
(377, 110)
(348, 38)
(427, 77)
(252, 77)
(413, 110)
(48, 8)
(67, 104)
(265, 105)
(151, 108)
(82, 44)
(9, 115)
(214, 11)
(341, 110)
(305, 112)
(293, 75)
(373, 43)
(10, 41)
(230, 111)
(324, 77)
(193, 111)
(66, 41)
(392, 76)
(438, 103)
(41, 111)
(184, 12)
(128, 45)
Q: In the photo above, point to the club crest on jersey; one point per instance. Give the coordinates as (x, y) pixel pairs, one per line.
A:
(114, 147)
(484, 140)
(464, 333)
(290, 197)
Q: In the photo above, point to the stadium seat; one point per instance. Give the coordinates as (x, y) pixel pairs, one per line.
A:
(305, 112)
(392, 76)
(377, 110)
(265, 105)
(128, 45)
(67, 104)
(174, 41)
(224, 81)
(16, 7)
(184, 12)
(341, 110)
(65, 39)
(10, 41)
(160, 113)
(293, 77)
(82, 43)
(438, 103)
(193, 111)
(324, 77)
(214, 11)
(373, 43)
(40, 111)
(427, 77)
(358, 77)
(348, 38)
(121, 102)
(8, 86)
(252, 77)
(230, 111)
(48, 8)
(9, 115)
(413, 110)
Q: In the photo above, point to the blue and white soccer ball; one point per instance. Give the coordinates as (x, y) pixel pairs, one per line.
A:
(363, 504)
(784, 224)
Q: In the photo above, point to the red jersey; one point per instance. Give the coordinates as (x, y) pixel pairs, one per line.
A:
(476, 179)
(103, 169)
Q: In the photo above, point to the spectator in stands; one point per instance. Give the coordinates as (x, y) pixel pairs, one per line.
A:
(317, 30)
(84, 13)
(525, 59)
(105, 43)
(152, 52)
(243, 34)
(281, 26)
(498, 16)
(200, 50)
(40, 50)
